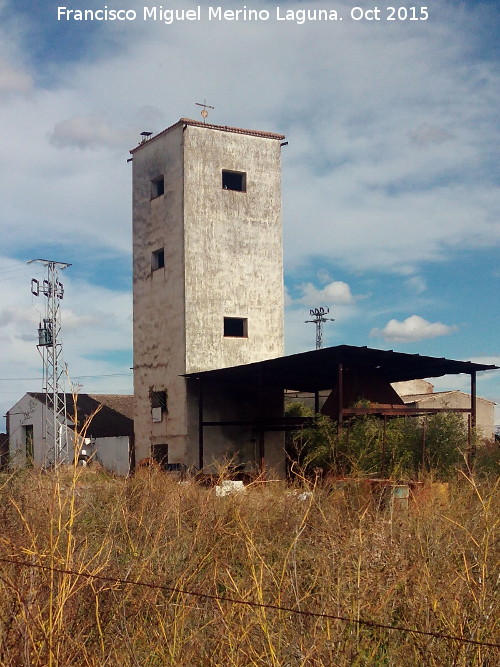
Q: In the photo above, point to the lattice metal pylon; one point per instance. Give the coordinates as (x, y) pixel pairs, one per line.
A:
(50, 348)
(319, 320)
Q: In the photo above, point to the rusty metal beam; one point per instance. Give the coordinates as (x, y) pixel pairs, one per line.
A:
(473, 399)
(340, 388)
(201, 424)
(394, 411)
(473, 419)
(262, 453)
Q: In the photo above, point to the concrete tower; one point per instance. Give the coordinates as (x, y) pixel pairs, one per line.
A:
(208, 271)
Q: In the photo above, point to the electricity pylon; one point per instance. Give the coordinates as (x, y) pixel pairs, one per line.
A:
(319, 319)
(50, 347)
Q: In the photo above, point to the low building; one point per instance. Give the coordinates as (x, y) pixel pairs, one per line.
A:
(104, 423)
(419, 394)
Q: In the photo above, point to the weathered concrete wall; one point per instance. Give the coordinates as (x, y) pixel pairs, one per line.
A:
(485, 417)
(113, 454)
(223, 258)
(239, 444)
(233, 249)
(159, 312)
(29, 412)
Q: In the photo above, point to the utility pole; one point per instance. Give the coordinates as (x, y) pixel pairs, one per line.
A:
(319, 320)
(50, 348)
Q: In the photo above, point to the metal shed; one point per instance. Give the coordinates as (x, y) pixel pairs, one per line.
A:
(327, 368)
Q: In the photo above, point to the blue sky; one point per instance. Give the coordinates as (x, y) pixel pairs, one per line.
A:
(390, 178)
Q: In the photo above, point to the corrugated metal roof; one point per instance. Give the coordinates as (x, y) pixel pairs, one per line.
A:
(318, 369)
(211, 126)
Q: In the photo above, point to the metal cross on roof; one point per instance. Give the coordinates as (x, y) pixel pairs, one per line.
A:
(204, 111)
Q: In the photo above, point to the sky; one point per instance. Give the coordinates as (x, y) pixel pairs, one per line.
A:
(390, 179)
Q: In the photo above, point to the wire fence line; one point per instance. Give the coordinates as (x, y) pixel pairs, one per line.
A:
(250, 603)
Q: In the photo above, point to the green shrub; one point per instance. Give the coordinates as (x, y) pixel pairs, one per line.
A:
(406, 446)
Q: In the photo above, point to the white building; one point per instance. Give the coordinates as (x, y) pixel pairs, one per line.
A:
(104, 423)
(207, 282)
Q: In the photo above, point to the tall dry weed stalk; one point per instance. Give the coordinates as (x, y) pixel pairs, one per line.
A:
(335, 550)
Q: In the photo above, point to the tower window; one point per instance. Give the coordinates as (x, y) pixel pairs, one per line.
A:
(235, 327)
(157, 259)
(158, 399)
(157, 187)
(234, 180)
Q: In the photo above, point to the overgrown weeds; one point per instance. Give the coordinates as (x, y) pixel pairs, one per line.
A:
(333, 551)
(397, 447)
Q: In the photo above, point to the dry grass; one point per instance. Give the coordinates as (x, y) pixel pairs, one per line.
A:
(434, 567)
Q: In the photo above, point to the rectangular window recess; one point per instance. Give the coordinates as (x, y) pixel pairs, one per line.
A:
(235, 327)
(159, 454)
(158, 259)
(28, 441)
(157, 187)
(234, 180)
(158, 399)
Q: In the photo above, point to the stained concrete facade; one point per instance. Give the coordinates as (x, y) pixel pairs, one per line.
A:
(485, 409)
(108, 435)
(207, 278)
(26, 434)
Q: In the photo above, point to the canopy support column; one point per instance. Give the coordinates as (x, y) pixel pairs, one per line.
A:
(473, 419)
(200, 424)
(340, 397)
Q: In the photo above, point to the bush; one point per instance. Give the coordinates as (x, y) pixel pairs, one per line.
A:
(406, 446)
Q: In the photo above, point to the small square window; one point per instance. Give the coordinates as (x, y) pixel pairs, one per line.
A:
(157, 187)
(157, 259)
(234, 180)
(235, 327)
(158, 399)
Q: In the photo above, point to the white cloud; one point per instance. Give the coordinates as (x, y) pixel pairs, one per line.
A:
(426, 134)
(13, 79)
(16, 314)
(72, 321)
(413, 329)
(87, 132)
(336, 292)
(323, 276)
(354, 187)
(336, 296)
(417, 284)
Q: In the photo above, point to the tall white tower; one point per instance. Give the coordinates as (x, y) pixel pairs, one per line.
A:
(208, 270)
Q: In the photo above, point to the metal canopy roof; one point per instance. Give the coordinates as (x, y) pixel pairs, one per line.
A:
(318, 369)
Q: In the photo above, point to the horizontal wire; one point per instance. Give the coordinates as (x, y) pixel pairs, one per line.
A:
(249, 603)
(75, 377)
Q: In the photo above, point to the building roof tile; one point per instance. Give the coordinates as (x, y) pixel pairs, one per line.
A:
(211, 126)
